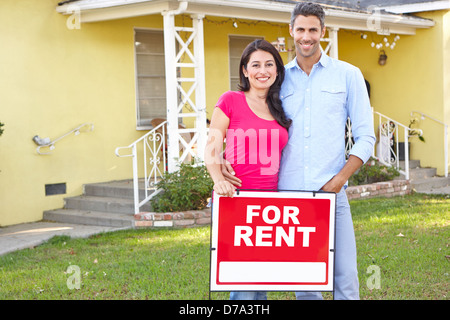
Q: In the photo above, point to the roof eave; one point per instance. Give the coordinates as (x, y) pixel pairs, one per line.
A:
(418, 7)
(272, 11)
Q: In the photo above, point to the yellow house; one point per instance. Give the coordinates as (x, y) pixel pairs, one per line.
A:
(79, 79)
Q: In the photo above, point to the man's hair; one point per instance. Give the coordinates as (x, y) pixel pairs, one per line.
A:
(308, 9)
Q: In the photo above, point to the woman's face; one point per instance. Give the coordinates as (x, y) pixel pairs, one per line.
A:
(261, 70)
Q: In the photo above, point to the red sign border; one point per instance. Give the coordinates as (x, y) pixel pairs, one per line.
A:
(277, 287)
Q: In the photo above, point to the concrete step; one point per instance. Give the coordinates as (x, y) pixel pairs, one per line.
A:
(437, 190)
(430, 183)
(106, 204)
(412, 164)
(102, 204)
(90, 218)
(424, 180)
(115, 189)
(421, 173)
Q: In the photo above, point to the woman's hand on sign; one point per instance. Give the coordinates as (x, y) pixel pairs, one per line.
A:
(224, 188)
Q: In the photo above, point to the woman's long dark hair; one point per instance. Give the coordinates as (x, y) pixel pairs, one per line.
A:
(273, 96)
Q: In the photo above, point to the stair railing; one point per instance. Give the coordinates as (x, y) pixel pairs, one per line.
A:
(48, 143)
(423, 116)
(387, 147)
(153, 148)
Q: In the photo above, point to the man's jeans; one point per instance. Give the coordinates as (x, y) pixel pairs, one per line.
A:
(345, 268)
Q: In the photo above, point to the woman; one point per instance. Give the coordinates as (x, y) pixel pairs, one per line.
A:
(253, 122)
(255, 127)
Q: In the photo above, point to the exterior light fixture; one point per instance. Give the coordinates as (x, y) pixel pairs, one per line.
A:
(382, 58)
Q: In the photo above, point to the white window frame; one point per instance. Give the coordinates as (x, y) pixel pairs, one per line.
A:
(140, 126)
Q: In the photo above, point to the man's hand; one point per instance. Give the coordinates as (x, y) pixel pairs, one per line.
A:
(334, 185)
(229, 174)
(337, 182)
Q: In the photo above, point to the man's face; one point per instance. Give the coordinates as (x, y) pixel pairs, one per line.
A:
(307, 32)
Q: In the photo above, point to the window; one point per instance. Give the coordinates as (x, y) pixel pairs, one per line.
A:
(150, 77)
(236, 46)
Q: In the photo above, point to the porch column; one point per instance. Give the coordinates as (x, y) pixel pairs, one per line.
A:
(185, 94)
(200, 91)
(333, 35)
(171, 90)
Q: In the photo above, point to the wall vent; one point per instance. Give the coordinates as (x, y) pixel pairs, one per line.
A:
(55, 188)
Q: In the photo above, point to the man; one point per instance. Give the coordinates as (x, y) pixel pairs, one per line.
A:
(318, 94)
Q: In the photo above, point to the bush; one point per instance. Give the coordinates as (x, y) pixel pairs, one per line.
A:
(372, 171)
(186, 189)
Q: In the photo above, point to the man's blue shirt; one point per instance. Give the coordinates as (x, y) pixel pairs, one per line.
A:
(319, 105)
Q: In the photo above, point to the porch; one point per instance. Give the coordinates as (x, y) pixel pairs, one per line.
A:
(185, 98)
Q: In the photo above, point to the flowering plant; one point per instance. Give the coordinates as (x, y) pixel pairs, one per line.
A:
(186, 189)
(415, 132)
(372, 171)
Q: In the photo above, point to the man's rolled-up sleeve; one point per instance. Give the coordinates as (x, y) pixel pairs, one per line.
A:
(361, 116)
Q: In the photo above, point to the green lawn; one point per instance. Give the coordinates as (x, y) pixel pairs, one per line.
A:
(406, 239)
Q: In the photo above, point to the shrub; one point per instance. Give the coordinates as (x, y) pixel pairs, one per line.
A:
(372, 171)
(186, 189)
(1, 130)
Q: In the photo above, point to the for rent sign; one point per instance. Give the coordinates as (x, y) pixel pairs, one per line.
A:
(273, 241)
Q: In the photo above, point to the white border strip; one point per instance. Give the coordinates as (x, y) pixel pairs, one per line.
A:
(272, 272)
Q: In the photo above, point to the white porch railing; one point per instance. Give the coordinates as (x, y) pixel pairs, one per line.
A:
(387, 148)
(423, 116)
(152, 145)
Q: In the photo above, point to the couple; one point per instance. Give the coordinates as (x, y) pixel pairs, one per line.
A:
(297, 115)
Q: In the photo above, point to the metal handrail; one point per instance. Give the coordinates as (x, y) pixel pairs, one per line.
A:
(390, 129)
(423, 115)
(44, 143)
(153, 142)
(387, 157)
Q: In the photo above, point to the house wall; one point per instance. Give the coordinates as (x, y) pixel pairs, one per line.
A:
(412, 79)
(52, 80)
(446, 71)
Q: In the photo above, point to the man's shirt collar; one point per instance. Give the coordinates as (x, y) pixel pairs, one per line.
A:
(323, 61)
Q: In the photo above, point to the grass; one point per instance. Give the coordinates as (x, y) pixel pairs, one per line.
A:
(405, 238)
(409, 241)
